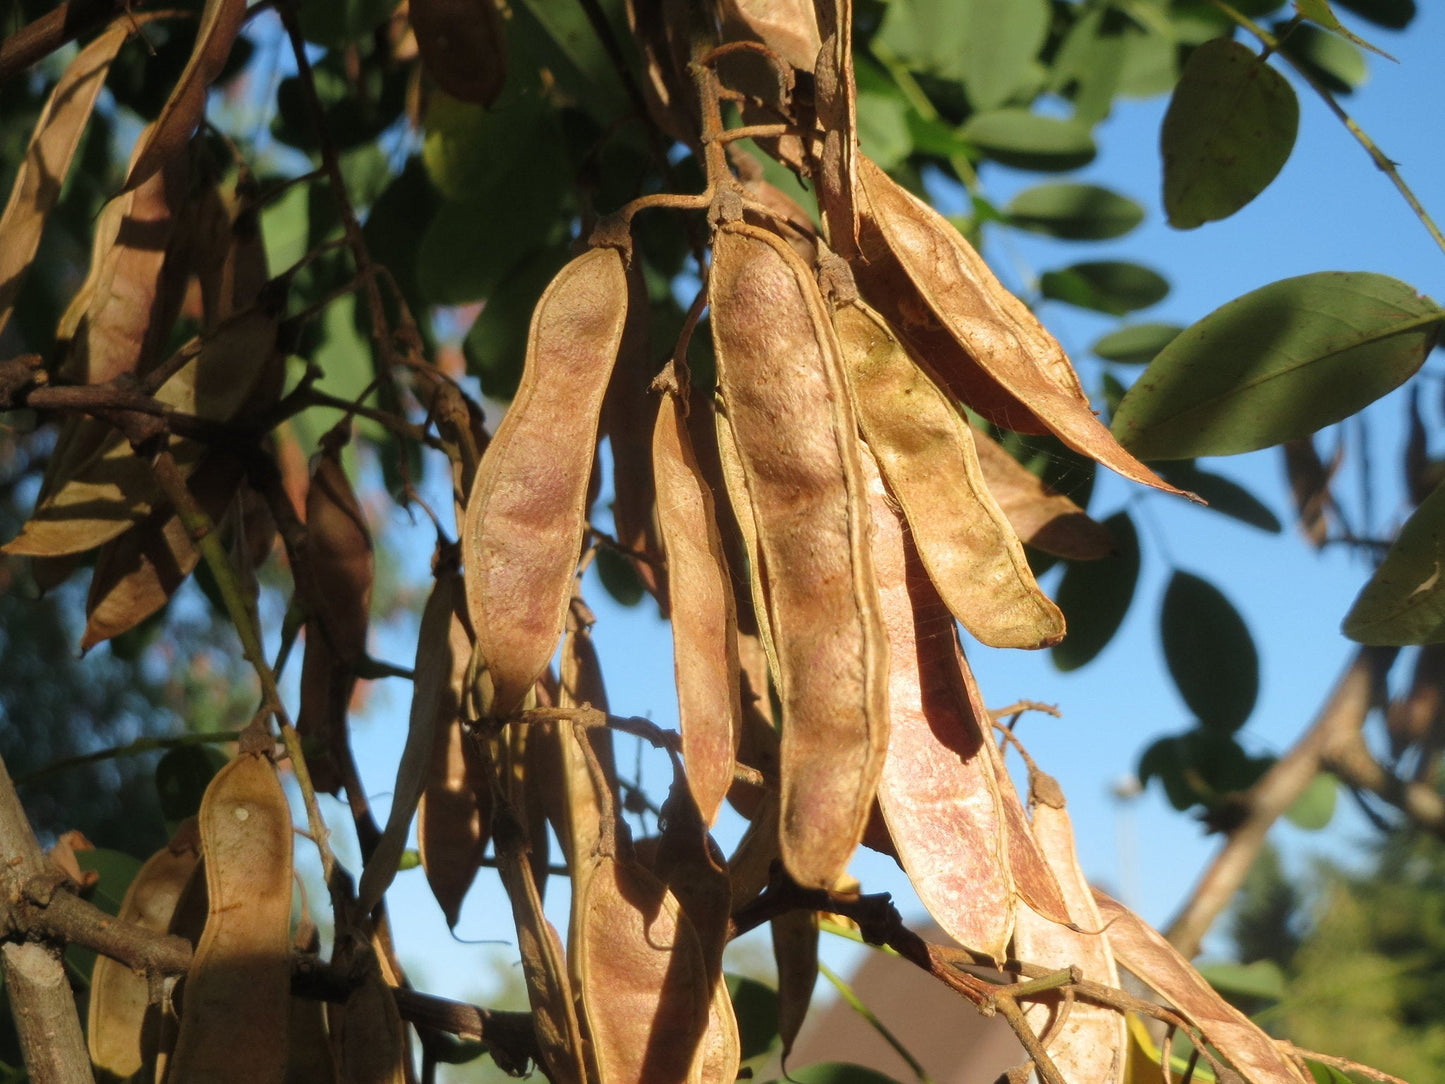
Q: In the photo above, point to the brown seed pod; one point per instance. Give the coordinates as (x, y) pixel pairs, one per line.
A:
(786, 408)
(925, 450)
(704, 631)
(233, 1020)
(938, 793)
(463, 46)
(795, 950)
(453, 819)
(1003, 344)
(527, 509)
(1087, 1042)
(119, 997)
(1044, 519)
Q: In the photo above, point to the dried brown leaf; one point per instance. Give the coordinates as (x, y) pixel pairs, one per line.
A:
(1156, 963)
(925, 450)
(463, 46)
(938, 792)
(234, 1015)
(526, 512)
(784, 397)
(704, 630)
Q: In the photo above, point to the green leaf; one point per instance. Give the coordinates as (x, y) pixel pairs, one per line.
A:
(341, 22)
(1025, 140)
(1277, 364)
(1393, 14)
(1314, 809)
(756, 1007)
(1228, 131)
(496, 345)
(1261, 980)
(182, 776)
(619, 577)
(836, 1072)
(1404, 602)
(1335, 62)
(1327, 1074)
(1210, 652)
(1200, 767)
(1112, 286)
(117, 870)
(1095, 596)
(561, 38)
(1223, 495)
(883, 127)
(1319, 12)
(987, 46)
(1136, 344)
(1074, 212)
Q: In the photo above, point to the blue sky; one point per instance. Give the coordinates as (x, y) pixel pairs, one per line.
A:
(1330, 209)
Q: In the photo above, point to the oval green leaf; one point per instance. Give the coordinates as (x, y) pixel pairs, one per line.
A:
(1314, 809)
(1259, 980)
(1074, 212)
(1221, 494)
(1404, 602)
(1095, 596)
(1210, 652)
(1336, 63)
(1112, 286)
(1278, 363)
(988, 47)
(1136, 344)
(1228, 131)
(756, 1007)
(1025, 140)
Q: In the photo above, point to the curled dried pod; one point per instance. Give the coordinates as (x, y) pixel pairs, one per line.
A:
(234, 1013)
(463, 46)
(785, 406)
(925, 450)
(527, 509)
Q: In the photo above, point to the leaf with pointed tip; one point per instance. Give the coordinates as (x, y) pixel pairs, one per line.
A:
(1074, 212)
(1221, 494)
(1136, 344)
(1404, 602)
(1112, 286)
(1320, 12)
(1278, 363)
(1026, 140)
(1210, 652)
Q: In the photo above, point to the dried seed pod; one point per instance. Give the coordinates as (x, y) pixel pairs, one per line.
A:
(795, 950)
(786, 408)
(119, 997)
(925, 450)
(443, 650)
(789, 28)
(453, 819)
(938, 792)
(837, 105)
(221, 22)
(53, 144)
(463, 46)
(233, 1020)
(527, 508)
(644, 979)
(1087, 1042)
(1003, 344)
(308, 1045)
(1044, 519)
(704, 631)
(368, 1036)
(340, 568)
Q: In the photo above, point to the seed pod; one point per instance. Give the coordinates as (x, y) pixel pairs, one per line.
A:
(463, 46)
(926, 452)
(644, 980)
(368, 1036)
(795, 950)
(308, 1046)
(1044, 519)
(119, 997)
(938, 793)
(1087, 1042)
(1003, 344)
(786, 408)
(233, 1020)
(837, 104)
(527, 509)
(443, 650)
(453, 819)
(704, 630)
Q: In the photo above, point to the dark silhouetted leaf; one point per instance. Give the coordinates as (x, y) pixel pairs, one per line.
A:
(182, 776)
(1111, 286)
(1200, 767)
(1074, 212)
(619, 577)
(1335, 62)
(1222, 494)
(1278, 363)
(1404, 602)
(1230, 128)
(1394, 14)
(1210, 652)
(1025, 140)
(1136, 344)
(1095, 596)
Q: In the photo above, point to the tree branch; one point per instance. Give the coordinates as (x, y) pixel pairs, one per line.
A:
(1339, 720)
(1353, 762)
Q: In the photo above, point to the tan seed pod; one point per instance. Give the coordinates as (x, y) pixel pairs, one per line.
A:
(368, 1036)
(1044, 519)
(938, 793)
(463, 46)
(527, 509)
(795, 950)
(704, 630)
(788, 27)
(234, 1015)
(644, 979)
(837, 104)
(453, 819)
(925, 450)
(119, 997)
(1002, 342)
(786, 407)
(1086, 1041)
